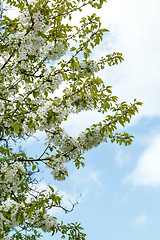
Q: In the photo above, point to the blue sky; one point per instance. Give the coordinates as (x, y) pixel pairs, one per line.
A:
(120, 186)
(110, 206)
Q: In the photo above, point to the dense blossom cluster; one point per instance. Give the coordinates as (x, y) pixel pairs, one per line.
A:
(44, 221)
(32, 68)
(12, 207)
(88, 67)
(11, 179)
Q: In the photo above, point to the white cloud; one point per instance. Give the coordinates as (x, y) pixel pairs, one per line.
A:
(147, 171)
(77, 123)
(142, 219)
(134, 27)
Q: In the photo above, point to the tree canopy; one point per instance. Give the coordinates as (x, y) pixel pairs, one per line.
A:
(40, 50)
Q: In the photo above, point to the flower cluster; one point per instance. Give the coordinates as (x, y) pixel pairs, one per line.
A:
(8, 211)
(54, 51)
(88, 67)
(92, 137)
(44, 221)
(11, 179)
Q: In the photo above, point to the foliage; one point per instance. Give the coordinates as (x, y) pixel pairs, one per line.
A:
(33, 66)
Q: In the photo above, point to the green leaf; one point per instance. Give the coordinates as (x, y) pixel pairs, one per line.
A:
(35, 94)
(52, 189)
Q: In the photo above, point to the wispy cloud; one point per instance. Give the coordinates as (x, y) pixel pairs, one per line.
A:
(122, 157)
(87, 181)
(142, 219)
(147, 171)
(87, 176)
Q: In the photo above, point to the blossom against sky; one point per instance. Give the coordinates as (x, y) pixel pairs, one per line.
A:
(120, 186)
